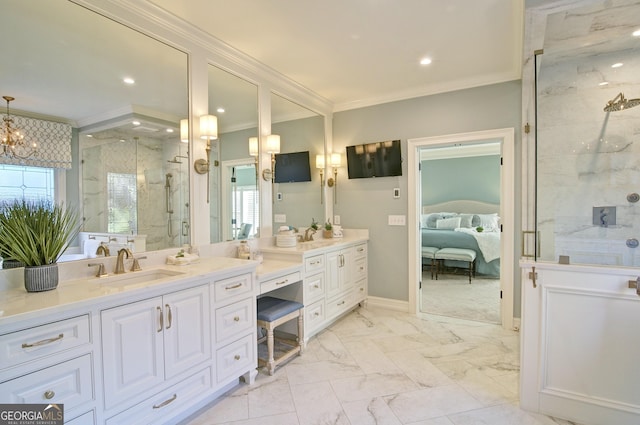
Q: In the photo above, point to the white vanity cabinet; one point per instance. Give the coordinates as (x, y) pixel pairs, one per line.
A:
(233, 301)
(49, 363)
(147, 342)
(334, 280)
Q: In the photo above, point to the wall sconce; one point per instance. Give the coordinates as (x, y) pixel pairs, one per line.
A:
(208, 131)
(336, 162)
(208, 127)
(272, 148)
(184, 130)
(320, 166)
(253, 151)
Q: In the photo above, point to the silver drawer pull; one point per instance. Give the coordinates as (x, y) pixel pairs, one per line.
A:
(361, 249)
(316, 286)
(43, 342)
(316, 313)
(164, 403)
(237, 357)
(236, 319)
(49, 394)
(169, 315)
(161, 319)
(282, 282)
(237, 285)
(341, 303)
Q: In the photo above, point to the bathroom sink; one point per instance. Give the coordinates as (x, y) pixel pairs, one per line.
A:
(143, 276)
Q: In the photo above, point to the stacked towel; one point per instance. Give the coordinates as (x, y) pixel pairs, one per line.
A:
(183, 260)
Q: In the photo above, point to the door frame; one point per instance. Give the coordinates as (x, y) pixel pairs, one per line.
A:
(225, 185)
(507, 212)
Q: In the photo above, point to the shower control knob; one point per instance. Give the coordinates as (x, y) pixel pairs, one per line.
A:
(632, 243)
(633, 197)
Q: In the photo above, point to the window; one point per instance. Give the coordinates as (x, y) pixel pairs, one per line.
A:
(122, 203)
(23, 182)
(245, 208)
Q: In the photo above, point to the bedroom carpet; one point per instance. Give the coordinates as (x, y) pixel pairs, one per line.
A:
(453, 296)
(383, 367)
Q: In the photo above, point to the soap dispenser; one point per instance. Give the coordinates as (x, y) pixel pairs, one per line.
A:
(244, 250)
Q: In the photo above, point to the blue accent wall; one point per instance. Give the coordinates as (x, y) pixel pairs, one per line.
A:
(476, 178)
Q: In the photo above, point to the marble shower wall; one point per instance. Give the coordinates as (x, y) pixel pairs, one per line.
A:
(587, 157)
(149, 159)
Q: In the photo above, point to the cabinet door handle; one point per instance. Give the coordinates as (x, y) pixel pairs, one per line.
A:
(237, 357)
(161, 319)
(42, 342)
(236, 319)
(169, 315)
(49, 394)
(237, 285)
(164, 403)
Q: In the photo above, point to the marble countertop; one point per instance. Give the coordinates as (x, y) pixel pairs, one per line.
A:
(315, 245)
(16, 304)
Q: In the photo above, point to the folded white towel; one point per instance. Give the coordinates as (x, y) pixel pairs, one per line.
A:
(183, 260)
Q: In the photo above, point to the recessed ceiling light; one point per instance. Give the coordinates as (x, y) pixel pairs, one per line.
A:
(136, 123)
(129, 80)
(617, 65)
(425, 61)
(122, 140)
(636, 33)
(604, 83)
(89, 135)
(220, 110)
(169, 130)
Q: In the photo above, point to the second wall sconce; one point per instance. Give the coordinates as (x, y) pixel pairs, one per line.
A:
(208, 132)
(272, 147)
(336, 162)
(320, 166)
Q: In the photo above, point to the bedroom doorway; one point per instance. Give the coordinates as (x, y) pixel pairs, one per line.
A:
(462, 204)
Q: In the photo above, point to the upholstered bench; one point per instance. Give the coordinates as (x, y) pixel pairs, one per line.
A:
(273, 312)
(429, 252)
(457, 254)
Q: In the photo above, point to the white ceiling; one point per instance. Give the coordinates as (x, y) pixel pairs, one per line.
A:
(363, 52)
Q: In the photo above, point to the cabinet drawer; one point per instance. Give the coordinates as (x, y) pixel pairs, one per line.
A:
(41, 341)
(228, 288)
(359, 269)
(313, 287)
(160, 408)
(340, 304)
(315, 263)
(314, 316)
(279, 282)
(236, 357)
(360, 251)
(360, 291)
(235, 319)
(69, 383)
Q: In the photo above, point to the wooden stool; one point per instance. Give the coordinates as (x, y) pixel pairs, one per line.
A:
(273, 312)
(457, 254)
(429, 252)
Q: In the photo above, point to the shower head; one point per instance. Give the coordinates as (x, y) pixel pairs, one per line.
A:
(620, 102)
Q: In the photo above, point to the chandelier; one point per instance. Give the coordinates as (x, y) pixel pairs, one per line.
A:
(13, 144)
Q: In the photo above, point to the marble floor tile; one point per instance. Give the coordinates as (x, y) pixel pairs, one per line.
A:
(383, 367)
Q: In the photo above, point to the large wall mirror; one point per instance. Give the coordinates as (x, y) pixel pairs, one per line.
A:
(233, 187)
(297, 198)
(129, 174)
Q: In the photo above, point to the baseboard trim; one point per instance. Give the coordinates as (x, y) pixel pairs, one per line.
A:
(388, 303)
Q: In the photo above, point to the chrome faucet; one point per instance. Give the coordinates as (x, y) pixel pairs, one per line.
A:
(120, 260)
(103, 249)
(307, 236)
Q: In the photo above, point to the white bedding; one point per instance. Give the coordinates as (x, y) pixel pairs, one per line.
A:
(488, 242)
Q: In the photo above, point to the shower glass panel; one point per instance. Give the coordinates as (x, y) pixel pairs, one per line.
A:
(587, 137)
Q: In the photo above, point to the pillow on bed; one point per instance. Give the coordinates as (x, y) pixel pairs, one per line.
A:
(469, 220)
(448, 223)
(431, 219)
(489, 222)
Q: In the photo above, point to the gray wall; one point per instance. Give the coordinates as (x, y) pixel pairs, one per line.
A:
(366, 203)
(476, 178)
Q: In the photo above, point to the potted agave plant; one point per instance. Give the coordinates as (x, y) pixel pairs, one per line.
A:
(36, 233)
